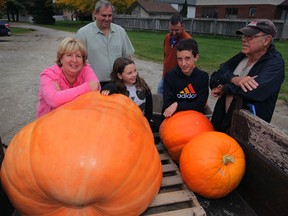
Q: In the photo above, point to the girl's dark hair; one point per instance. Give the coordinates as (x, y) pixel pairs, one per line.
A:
(188, 44)
(118, 67)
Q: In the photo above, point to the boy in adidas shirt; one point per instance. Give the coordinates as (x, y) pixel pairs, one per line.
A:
(185, 87)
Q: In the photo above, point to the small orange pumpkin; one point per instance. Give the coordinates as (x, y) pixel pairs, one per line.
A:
(177, 130)
(93, 156)
(212, 164)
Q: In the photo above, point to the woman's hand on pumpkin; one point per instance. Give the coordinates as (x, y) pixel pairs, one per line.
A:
(94, 85)
(105, 92)
(170, 110)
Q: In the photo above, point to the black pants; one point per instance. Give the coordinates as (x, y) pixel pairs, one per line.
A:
(6, 208)
(220, 119)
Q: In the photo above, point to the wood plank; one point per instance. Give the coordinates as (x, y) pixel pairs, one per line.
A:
(160, 148)
(171, 198)
(169, 168)
(183, 212)
(171, 180)
(165, 156)
(264, 137)
(174, 198)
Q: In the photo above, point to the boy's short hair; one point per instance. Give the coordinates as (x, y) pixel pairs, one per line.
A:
(188, 44)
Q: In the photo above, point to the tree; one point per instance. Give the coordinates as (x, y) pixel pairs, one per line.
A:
(13, 7)
(42, 12)
(2, 3)
(86, 6)
(183, 11)
(80, 8)
(122, 6)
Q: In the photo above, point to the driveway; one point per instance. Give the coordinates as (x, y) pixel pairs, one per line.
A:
(23, 57)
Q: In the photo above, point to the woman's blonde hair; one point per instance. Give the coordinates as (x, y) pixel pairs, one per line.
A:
(69, 45)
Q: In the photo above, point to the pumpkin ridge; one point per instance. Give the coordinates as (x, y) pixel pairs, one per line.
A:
(30, 162)
(28, 130)
(110, 105)
(150, 186)
(53, 193)
(126, 181)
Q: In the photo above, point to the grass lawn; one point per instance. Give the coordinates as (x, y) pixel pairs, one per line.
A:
(213, 50)
(17, 30)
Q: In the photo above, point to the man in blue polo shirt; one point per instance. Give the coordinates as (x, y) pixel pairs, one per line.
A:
(105, 41)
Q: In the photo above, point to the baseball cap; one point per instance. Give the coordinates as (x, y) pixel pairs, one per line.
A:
(258, 25)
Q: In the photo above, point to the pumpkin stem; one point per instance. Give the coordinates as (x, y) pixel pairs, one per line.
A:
(228, 159)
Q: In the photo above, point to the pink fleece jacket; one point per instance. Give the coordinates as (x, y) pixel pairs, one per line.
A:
(50, 97)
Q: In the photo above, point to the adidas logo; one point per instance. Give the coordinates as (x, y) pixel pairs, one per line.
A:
(187, 92)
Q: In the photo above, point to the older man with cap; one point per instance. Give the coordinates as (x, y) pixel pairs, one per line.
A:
(255, 75)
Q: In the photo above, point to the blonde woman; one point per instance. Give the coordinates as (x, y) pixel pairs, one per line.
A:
(70, 77)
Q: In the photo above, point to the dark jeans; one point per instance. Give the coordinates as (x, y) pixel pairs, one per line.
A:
(220, 119)
(6, 208)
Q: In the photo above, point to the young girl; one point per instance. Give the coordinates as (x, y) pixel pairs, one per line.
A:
(125, 80)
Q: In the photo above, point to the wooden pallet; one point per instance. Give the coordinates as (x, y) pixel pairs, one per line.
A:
(174, 198)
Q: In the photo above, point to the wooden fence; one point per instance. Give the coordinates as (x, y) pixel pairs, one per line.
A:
(223, 27)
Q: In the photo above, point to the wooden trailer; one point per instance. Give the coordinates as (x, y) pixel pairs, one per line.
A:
(264, 187)
(262, 191)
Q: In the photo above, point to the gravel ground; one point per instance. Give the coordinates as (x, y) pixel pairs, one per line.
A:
(23, 57)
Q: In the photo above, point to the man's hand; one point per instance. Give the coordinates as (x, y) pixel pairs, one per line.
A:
(246, 83)
(170, 110)
(217, 92)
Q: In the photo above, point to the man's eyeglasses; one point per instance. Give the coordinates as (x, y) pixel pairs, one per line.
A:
(249, 38)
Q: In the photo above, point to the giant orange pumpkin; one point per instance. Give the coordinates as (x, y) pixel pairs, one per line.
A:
(212, 164)
(177, 130)
(93, 156)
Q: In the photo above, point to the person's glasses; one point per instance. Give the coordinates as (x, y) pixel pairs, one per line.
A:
(249, 38)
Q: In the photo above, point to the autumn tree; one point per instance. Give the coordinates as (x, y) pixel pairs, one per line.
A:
(86, 6)
(122, 6)
(2, 3)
